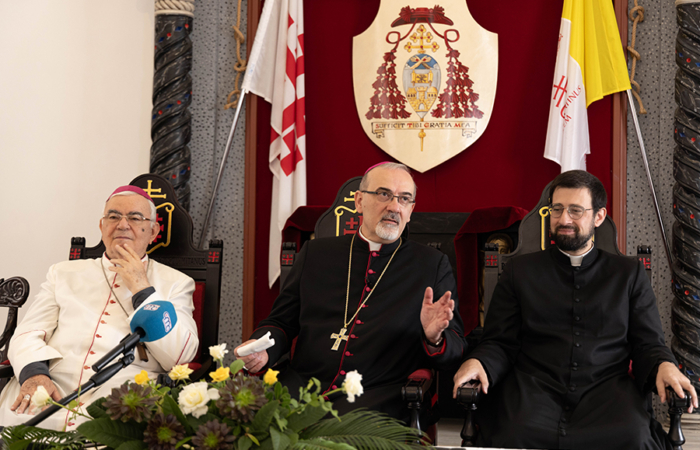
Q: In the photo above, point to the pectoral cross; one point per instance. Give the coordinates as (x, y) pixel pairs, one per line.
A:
(339, 337)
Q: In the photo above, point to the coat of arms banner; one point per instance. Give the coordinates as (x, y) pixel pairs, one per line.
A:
(424, 80)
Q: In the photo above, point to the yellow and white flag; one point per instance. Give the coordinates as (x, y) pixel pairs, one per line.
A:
(590, 65)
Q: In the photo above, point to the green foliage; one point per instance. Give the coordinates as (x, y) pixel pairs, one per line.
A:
(275, 422)
(236, 366)
(21, 436)
(132, 445)
(365, 430)
(322, 444)
(111, 433)
(169, 406)
(96, 410)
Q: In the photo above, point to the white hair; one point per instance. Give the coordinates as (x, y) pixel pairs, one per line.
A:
(154, 216)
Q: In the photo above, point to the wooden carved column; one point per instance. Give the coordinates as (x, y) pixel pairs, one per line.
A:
(171, 124)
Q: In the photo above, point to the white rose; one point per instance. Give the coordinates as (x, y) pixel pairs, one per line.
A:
(40, 399)
(353, 385)
(194, 398)
(218, 351)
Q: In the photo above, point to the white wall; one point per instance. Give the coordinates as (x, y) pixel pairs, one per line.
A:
(75, 99)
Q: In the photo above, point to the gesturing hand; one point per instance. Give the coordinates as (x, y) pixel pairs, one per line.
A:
(255, 361)
(435, 317)
(131, 269)
(29, 387)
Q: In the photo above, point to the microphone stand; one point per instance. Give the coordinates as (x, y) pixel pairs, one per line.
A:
(96, 380)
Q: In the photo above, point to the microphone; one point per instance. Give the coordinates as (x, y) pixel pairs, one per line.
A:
(150, 323)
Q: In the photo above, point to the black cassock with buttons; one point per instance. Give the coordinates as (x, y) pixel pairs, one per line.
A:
(384, 341)
(557, 346)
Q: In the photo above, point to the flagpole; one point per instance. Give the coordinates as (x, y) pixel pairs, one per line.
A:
(651, 183)
(221, 167)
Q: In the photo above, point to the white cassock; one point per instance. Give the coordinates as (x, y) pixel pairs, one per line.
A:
(75, 319)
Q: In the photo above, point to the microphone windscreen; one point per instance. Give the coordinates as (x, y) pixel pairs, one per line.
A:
(156, 319)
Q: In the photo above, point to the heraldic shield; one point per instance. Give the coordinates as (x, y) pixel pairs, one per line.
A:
(425, 80)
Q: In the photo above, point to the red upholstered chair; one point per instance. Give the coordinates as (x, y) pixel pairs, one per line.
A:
(174, 247)
(533, 236)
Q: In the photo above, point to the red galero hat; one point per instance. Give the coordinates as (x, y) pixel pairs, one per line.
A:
(422, 15)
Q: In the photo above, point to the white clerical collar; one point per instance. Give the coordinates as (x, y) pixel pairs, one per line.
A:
(576, 259)
(373, 246)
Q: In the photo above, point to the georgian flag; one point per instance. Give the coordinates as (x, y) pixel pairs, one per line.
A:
(590, 65)
(276, 73)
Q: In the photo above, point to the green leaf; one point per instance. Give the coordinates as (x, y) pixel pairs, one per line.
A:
(170, 407)
(132, 445)
(264, 416)
(253, 438)
(293, 437)
(244, 443)
(309, 416)
(184, 441)
(111, 433)
(20, 437)
(236, 366)
(366, 430)
(280, 441)
(96, 410)
(322, 444)
(197, 422)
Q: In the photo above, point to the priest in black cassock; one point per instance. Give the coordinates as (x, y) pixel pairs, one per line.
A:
(364, 302)
(561, 330)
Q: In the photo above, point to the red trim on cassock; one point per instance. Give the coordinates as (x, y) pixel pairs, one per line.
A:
(189, 335)
(442, 348)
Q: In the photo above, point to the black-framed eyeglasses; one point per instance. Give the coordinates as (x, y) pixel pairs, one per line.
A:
(385, 195)
(133, 218)
(575, 212)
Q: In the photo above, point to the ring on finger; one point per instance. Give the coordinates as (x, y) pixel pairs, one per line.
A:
(27, 397)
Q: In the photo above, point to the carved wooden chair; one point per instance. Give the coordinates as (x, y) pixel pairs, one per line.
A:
(13, 294)
(533, 236)
(174, 247)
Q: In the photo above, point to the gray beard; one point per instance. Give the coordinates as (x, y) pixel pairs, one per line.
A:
(387, 232)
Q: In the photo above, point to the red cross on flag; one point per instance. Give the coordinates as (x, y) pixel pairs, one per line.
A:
(590, 65)
(276, 73)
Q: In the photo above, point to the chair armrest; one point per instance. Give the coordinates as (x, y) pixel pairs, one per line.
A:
(415, 394)
(676, 407)
(6, 371)
(468, 396)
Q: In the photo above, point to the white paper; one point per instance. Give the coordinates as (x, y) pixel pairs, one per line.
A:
(258, 345)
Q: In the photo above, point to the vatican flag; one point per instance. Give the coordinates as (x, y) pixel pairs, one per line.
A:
(590, 65)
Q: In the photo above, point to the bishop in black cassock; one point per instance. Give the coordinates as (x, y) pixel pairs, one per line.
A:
(364, 302)
(561, 330)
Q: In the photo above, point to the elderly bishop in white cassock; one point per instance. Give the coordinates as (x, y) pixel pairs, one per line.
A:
(84, 308)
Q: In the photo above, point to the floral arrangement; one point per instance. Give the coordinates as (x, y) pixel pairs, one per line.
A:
(232, 411)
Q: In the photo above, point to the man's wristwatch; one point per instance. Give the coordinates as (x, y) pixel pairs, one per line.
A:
(435, 344)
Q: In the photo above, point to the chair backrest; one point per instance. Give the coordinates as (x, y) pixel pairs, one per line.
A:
(533, 234)
(433, 229)
(174, 247)
(13, 294)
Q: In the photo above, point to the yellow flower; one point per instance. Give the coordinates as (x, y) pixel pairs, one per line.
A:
(221, 374)
(141, 378)
(180, 372)
(270, 376)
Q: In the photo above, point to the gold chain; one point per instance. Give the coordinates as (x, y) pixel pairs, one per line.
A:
(347, 293)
